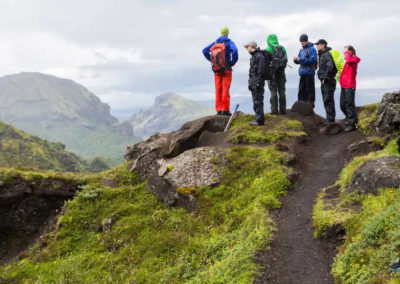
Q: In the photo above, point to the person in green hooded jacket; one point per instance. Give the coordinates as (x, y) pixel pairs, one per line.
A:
(277, 85)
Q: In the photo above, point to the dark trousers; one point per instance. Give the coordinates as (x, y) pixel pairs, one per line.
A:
(328, 92)
(348, 106)
(258, 103)
(307, 89)
(277, 85)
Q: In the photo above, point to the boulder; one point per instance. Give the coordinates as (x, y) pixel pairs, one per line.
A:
(192, 168)
(304, 108)
(143, 155)
(388, 114)
(376, 173)
(174, 160)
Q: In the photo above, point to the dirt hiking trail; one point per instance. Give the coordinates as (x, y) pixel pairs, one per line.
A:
(295, 256)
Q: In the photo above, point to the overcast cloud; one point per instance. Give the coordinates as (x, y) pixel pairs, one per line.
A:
(128, 51)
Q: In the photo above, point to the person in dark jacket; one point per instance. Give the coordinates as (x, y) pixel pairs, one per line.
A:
(257, 81)
(223, 80)
(326, 74)
(307, 59)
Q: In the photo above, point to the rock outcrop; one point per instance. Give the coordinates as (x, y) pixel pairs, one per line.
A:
(388, 114)
(376, 173)
(302, 107)
(163, 160)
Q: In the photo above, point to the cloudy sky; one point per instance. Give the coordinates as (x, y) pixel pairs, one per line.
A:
(128, 51)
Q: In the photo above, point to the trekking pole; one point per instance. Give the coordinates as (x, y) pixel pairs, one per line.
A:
(290, 66)
(231, 118)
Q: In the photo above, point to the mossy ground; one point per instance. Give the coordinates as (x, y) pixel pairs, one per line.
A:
(276, 128)
(366, 116)
(372, 224)
(149, 243)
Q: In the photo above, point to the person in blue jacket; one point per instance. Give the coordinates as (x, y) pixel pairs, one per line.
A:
(307, 59)
(223, 77)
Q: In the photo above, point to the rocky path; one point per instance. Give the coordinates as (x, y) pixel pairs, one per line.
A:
(295, 256)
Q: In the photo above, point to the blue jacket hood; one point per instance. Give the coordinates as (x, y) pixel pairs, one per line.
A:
(309, 44)
(222, 39)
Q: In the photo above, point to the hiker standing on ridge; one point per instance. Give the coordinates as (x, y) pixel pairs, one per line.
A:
(277, 84)
(257, 81)
(326, 73)
(222, 54)
(348, 85)
(307, 59)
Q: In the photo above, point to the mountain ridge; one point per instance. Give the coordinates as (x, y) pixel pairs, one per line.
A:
(168, 113)
(61, 110)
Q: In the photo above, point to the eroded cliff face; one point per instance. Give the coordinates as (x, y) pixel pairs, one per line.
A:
(28, 207)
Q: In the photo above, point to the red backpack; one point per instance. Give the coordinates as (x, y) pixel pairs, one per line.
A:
(219, 62)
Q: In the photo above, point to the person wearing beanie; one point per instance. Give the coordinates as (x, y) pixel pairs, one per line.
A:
(307, 59)
(327, 73)
(257, 81)
(277, 84)
(223, 55)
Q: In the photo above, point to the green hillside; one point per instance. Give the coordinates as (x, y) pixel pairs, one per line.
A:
(168, 113)
(125, 235)
(19, 149)
(61, 110)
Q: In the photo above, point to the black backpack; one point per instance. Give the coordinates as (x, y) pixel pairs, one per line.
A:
(279, 59)
(268, 61)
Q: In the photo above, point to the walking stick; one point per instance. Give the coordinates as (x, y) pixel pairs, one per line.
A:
(231, 118)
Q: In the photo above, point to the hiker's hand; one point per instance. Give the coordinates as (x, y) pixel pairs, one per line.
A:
(295, 59)
(323, 81)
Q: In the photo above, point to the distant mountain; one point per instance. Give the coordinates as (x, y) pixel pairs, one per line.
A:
(19, 149)
(167, 114)
(61, 110)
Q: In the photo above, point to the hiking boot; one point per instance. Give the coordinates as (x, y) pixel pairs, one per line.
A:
(282, 112)
(395, 267)
(327, 122)
(227, 113)
(255, 123)
(349, 128)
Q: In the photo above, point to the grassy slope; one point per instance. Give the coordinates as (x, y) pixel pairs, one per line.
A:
(372, 224)
(88, 143)
(19, 149)
(149, 243)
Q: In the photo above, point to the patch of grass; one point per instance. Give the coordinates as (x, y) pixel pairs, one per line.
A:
(149, 243)
(276, 128)
(373, 241)
(366, 117)
(371, 222)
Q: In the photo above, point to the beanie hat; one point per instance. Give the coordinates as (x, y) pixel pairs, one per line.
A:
(225, 31)
(304, 38)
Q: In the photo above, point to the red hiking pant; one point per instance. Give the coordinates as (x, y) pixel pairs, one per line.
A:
(222, 86)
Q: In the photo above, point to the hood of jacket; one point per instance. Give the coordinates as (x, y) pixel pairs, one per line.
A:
(222, 39)
(326, 49)
(308, 45)
(272, 40)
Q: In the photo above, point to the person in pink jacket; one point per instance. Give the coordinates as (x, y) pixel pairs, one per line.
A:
(348, 85)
